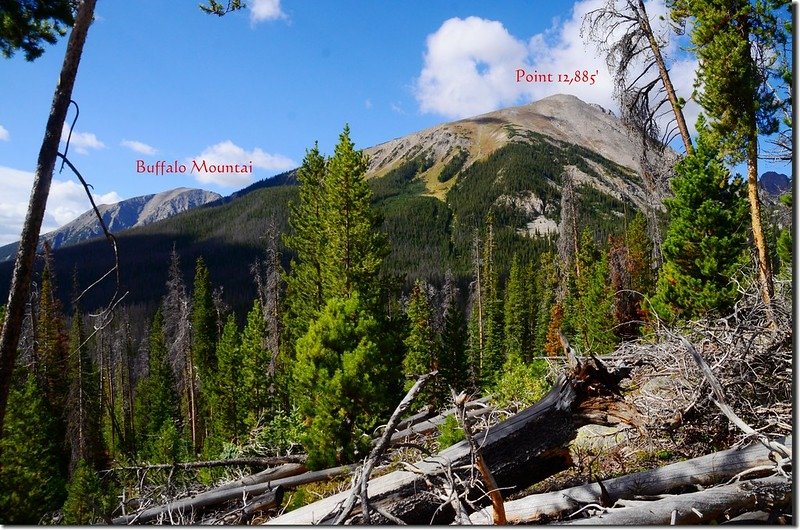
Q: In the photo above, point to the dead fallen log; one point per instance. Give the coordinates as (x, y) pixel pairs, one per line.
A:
(255, 485)
(706, 470)
(231, 462)
(519, 451)
(265, 502)
(710, 505)
(428, 425)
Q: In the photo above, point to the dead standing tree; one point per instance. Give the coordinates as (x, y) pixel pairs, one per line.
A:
(23, 266)
(644, 90)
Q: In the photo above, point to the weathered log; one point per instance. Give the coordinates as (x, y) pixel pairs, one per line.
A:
(359, 488)
(286, 477)
(250, 485)
(519, 451)
(230, 462)
(268, 501)
(710, 505)
(702, 471)
(428, 425)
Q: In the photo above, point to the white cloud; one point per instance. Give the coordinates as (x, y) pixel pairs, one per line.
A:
(4, 134)
(81, 142)
(228, 153)
(139, 147)
(470, 65)
(261, 10)
(66, 201)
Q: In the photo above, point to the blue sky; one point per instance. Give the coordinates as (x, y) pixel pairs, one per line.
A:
(163, 81)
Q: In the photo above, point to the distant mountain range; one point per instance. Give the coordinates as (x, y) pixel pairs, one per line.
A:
(130, 213)
(434, 190)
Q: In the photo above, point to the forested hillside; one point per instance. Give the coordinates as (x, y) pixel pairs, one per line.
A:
(514, 317)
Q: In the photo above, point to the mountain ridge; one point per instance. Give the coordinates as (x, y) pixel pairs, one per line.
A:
(128, 213)
(434, 190)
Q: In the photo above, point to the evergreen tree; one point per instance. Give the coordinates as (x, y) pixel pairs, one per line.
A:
(31, 465)
(230, 401)
(257, 383)
(546, 281)
(157, 406)
(204, 327)
(493, 354)
(304, 285)
(339, 381)
(354, 245)
(86, 502)
(452, 348)
(422, 355)
(203, 341)
(598, 309)
(51, 344)
(517, 312)
(704, 248)
(739, 46)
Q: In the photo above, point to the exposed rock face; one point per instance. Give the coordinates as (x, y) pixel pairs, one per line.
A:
(137, 211)
(775, 183)
(561, 117)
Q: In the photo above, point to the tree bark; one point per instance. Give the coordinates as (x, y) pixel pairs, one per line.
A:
(23, 266)
(519, 451)
(764, 268)
(713, 505)
(703, 471)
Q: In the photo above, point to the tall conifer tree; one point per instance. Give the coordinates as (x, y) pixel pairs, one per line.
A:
(257, 383)
(704, 248)
(304, 288)
(157, 406)
(422, 352)
(354, 245)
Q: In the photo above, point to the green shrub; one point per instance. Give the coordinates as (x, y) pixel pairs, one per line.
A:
(450, 433)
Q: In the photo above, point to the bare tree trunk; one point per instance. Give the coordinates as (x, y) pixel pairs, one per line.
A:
(665, 79)
(23, 267)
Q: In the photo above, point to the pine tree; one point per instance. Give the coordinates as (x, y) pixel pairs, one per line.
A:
(739, 44)
(157, 406)
(230, 401)
(546, 281)
(204, 328)
(422, 355)
(354, 245)
(705, 244)
(304, 284)
(453, 347)
(86, 502)
(516, 312)
(32, 472)
(339, 382)
(51, 344)
(257, 383)
(493, 354)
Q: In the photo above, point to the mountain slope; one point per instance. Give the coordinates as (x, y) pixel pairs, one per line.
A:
(562, 118)
(137, 211)
(434, 189)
